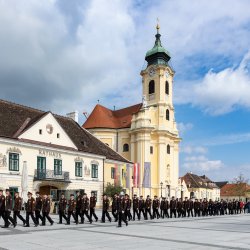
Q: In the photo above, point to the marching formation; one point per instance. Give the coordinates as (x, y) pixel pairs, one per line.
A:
(80, 206)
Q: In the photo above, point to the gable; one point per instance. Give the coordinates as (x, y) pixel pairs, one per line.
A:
(48, 130)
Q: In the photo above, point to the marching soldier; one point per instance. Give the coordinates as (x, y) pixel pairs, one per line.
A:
(163, 206)
(148, 204)
(172, 206)
(38, 209)
(190, 208)
(30, 208)
(141, 207)
(8, 208)
(92, 206)
(105, 209)
(166, 208)
(210, 207)
(136, 207)
(185, 207)
(79, 207)
(129, 203)
(46, 210)
(62, 208)
(121, 210)
(156, 204)
(71, 209)
(196, 208)
(205, 207)
(230, 207)
(2, 204)
(85, 207)
(115, 206)
(179, 207)
(17, 208)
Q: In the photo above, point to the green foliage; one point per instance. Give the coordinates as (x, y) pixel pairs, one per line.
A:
(111, 189)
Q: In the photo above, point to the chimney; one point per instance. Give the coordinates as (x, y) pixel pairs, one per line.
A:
(73, 115)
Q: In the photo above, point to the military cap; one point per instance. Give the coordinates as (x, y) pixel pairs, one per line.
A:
(72, 195)
(16, 192)
(84, 194)
(62, 193)
(1, 190)
(141, 196)
(30, 193)
(148, 196)
(37, 192)
(7, 190)
(135, 194)
(155, 196)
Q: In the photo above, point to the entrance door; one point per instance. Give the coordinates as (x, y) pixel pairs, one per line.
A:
(41, 167)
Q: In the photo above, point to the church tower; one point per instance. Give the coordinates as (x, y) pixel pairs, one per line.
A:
(154, 135)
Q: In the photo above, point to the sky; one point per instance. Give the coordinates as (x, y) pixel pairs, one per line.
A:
(63, 55)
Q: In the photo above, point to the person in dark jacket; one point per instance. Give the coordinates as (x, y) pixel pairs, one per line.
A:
(2, 204)
(30, 208)
(115, 206)
(156, 205)
(163, 207)
(173, 205)
(72, 209)
(122, 206)
(129, 204)
(38, 209)
(8, 209)
(46, 210)
(105, 208)
(92, 205)
(17, 208)
(85, 207)
(141, 207)
(79, 207)
(136, 207)
(62, 204)
(148, 204)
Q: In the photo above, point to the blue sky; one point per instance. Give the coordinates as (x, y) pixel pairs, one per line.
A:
(65, 55)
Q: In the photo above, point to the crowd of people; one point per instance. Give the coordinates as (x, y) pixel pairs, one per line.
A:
(122, 207)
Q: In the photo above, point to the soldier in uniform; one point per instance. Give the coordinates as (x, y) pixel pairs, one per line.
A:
(196, 208)
(38, 209)
(85, 207)
(156, 204)
(136, 207)
(92, 206)
(71, 209)
(2, 204)
(190, 208)
(163, 206)
(62, 208)
(166, 208)
(230, 207)
(148, 204)
(179, 207)
(129, 204)
(46, 210)
(234, 206)
(30, 208)
(105, 208)
(121, 210)
(172, 206)
(79, 207)
(17, 208)
(115, 206)
(210, 207)
(141, 207)
(8, 208)
(185, 207)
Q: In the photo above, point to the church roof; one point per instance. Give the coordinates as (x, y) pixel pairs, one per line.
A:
(102, 117)
(15, 118)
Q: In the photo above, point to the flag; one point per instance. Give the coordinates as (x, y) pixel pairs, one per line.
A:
(117, 181)
(136, 175)
(127, 176)
(147, 175)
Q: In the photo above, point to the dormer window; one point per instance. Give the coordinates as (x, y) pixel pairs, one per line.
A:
(58, 135)
(40, 131)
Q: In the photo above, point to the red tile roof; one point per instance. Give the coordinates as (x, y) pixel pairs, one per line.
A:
(234, 189)
(102, 117)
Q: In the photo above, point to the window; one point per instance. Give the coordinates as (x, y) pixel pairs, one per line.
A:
(40, 131)
(151, 150)
(125, 147)
(13, 162)
(167, 115)
(167, 88)
(58, 135)
(78, 169)
(57, 167)
(94, 172)
(112, 173)
(151, 87)
(168, 149)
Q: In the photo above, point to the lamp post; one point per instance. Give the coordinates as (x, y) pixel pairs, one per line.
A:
(161, 188)
(181, 191)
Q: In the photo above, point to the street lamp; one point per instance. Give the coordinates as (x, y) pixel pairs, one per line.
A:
(161, 188)
(181, 191)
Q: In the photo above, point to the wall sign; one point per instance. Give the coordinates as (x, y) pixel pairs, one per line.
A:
(51, 153)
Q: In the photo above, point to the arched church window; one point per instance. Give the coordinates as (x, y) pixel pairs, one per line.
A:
(168, 149)
(167, 88)
(151, 87)
(167, 115)
(125, 147)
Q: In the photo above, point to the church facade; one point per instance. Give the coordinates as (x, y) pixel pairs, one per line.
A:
(145, 133)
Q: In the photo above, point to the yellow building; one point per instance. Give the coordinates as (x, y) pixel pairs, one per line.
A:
(145, 133)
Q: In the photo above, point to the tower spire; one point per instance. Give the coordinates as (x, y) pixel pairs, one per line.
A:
(158, 25)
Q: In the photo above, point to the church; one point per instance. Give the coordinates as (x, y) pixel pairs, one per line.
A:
(145, 133)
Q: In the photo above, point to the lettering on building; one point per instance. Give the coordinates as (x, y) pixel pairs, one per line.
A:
(50, 153)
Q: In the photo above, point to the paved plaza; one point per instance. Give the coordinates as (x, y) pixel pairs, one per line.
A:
(220, 232)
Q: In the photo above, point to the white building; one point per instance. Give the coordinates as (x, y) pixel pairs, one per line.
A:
(60, 155)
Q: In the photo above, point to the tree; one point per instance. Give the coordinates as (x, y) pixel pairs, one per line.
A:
(240, 185)
(111, 189)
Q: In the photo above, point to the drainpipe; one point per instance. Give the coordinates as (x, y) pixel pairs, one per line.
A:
(117, 141)
(103, 178)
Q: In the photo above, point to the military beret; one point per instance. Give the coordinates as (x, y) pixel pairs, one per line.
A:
(7, 190)
(30, 193)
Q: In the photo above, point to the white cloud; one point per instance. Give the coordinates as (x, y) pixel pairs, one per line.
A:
(201, 163)
(184, 127)
(193, 149)
(221, 92)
